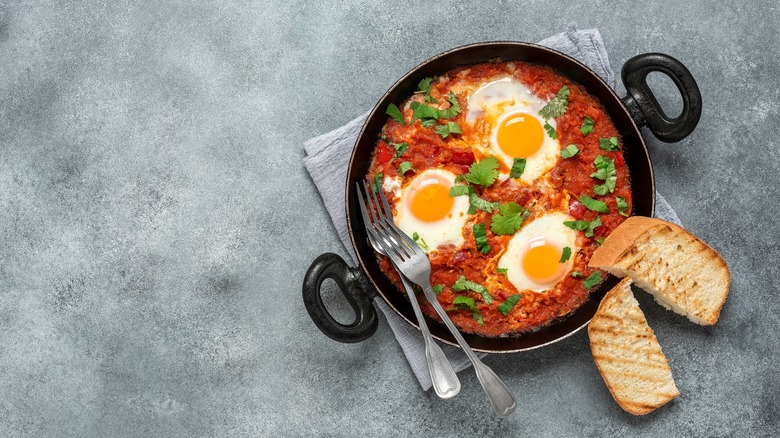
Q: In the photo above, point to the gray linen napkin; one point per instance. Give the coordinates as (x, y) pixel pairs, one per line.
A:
(328, 158)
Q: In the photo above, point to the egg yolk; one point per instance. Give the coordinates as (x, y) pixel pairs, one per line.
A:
(430, 199)
(541, 261)
(520, 135)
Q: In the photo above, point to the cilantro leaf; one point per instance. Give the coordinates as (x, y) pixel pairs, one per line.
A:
(424, 86)
(427, 123)
(462, 284)
(438, 288)
(587, 125)
(503, 271)
(565, 255)
(427, 115)
(518, 167)
(593, 204)
(400, 148)
(484, 172)
(550, 130)
(609, 144)
(480, 237)
(605, 171)
(570, 151)
(377, 182)
(557, 105)
(586, 226)
(510, 302)
(509, 219)
(459, 190)
(622, 206)
(454, 108)
(466, 303)
(482, 204)
(450, 128)
(404, 167)
(419, 240)
(395, 113)
(592, 280)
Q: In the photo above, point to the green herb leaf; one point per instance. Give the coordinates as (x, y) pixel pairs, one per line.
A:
(480, 237)
(509, 219)
(557, 105)
(503, 271)
(483, 172)
(510, 302)
(565, 255)
(587, 125)
(600, 240)
(586, 226)
(467, 303)
(424, 86)
(459, 190)
(462, 284)
(454, 108)
(592, 280)
(450, 128)
(518, 167)
(419, 240)
(593, 204)
(427, 123)
(550, 130)
(395, 113)
(622, 206)
(404, 167)
(438, 288)
(377, 183)
(609, 144)
(605, 171)
(427, 115)
(576, 274)
(400, 148)
(570, 151)
(482, 204)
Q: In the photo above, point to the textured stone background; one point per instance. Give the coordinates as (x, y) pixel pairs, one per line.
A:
(156, 219)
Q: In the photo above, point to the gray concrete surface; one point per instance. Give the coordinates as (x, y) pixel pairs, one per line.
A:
(156, 219)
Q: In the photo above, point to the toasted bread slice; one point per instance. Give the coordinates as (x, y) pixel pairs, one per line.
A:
(628, 355)
(682, 273)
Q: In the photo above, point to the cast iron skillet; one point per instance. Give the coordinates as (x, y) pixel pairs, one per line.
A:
(638, 108)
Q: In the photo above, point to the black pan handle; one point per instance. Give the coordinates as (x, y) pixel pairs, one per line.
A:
(645, 108)
(355, 290)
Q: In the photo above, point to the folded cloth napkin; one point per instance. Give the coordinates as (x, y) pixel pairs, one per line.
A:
(328, 158)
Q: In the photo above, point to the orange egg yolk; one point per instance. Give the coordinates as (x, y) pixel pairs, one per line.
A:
(541, 261)
(430, 198)
(520, 135)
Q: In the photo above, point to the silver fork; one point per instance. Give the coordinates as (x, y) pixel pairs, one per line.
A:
(445, 381)
(413, 263)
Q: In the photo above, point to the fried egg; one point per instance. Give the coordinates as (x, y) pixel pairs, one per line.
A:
(514, 127)
(532, 258)
(425, 207)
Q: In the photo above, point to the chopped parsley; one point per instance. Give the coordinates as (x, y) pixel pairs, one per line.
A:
(503, 271)
(518, 167)
(377, 183)
(454, 108)
(477, 202)
(622, 206)
(587, 125)
(586, 226)
(592, 280)
(557, 105)
(404, 167)
(609, 144)
(427, 115)
(400, 148)
(484, 172)
(550, 130)
(459, 190)
(480, 237)
(605, 171)
(462, 284)
(565, 255)
(438, 288)
(593, 204)
(424, 87)
(395, 113)
(510, 302)
(509, 219)
(570, 151)
(450, 128)
(466, 303)
(419, 240)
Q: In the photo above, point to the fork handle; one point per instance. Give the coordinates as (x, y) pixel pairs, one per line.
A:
(349, 281)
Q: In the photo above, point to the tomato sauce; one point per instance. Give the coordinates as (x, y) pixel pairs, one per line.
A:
(562, 185)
